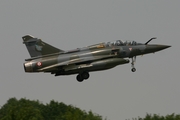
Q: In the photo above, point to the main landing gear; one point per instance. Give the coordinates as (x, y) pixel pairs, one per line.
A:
(132, 64)
(82, 76)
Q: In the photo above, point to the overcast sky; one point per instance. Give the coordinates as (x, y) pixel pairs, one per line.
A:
(117, 94)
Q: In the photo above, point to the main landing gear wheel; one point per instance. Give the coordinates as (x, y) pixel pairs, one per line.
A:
(79, 78)
(132, 64)
(85, 75)
(82, 76)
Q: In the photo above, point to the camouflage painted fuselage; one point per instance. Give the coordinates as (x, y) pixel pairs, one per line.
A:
(46, 58)
(72, 62)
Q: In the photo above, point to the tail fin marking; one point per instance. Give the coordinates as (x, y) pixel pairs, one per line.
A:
(37, 47)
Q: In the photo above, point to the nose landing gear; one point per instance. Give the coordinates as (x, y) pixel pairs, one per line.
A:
(133, 69)
(82, 76)
(132, 64)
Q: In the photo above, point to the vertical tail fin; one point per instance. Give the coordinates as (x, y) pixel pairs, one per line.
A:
(37, 47)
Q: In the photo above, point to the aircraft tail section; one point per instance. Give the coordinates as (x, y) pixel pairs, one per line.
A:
(37, 47)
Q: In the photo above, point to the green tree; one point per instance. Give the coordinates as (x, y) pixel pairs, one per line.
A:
(158, 117)
(25, 109)
(20, 110)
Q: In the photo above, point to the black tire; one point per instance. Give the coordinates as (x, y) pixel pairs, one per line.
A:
(133, 69)
(85, 75)
(79, 78)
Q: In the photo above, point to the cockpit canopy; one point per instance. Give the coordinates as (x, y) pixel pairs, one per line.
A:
(114, 43)
(122, 43)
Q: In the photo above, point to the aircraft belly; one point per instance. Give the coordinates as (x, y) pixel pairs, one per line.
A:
(94, 66)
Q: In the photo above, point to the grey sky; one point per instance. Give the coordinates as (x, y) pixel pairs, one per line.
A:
(116, 93)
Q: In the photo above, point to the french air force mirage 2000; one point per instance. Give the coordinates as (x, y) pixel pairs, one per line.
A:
(81, 61)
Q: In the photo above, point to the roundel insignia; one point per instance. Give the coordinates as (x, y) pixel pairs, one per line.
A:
(39, 64)
(130, 49)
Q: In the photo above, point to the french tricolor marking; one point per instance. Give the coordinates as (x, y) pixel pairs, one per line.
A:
(130, 49)
(39, 64)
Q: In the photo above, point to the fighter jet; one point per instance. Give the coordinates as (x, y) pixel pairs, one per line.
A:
(81, 61)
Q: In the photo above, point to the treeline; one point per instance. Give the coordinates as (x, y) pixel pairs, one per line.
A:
(158, 117)
(25, 109)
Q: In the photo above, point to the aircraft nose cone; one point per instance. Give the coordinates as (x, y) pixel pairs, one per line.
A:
(155, 48)
(161, 47)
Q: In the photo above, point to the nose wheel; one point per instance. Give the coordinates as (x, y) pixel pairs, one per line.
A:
(132, 64)
(133, 69)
